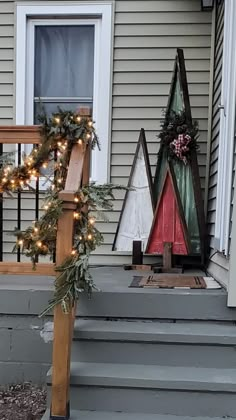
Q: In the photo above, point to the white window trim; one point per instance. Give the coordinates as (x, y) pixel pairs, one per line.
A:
(102, 12)
(227, 131)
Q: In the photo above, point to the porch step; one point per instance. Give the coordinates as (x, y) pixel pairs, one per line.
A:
(102, 415)
(181, 391)
(162, 304)
(142, 342)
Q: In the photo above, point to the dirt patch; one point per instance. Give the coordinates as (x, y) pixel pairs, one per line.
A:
(22, 402)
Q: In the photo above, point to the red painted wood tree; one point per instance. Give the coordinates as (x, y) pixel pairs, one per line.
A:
(169, 231)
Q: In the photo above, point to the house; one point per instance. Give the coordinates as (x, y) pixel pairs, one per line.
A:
(129, 49)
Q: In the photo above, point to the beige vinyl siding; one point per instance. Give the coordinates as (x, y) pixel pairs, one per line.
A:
(218, 57)
(146, 35)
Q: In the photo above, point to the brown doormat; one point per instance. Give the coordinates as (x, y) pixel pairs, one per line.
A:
(169, 282)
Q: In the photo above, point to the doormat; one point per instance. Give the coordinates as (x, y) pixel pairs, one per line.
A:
(169, 282)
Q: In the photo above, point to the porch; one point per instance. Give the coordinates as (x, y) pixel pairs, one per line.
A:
(129, 344)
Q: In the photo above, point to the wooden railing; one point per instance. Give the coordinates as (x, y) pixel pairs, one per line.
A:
(78, 174)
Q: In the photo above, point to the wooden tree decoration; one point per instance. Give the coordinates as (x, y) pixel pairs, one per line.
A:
(184, 173)
(137, 210)
(169, 231)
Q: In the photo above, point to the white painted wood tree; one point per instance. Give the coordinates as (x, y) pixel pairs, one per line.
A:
(137, 211)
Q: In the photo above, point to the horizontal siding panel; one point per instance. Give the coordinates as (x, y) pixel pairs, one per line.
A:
(158, 6)
(6, 7)
(5, 113)
(6, 18)
(162, 41)
(6, 100)
(160, 17)
(123, 149)
(6, 78)
(6, 89)
(6, 30)
(127, 160)
(124, 171)
(135, 125)
(157, 65)
(151, 136)
(154, 101)
(163, 29)
(160, 54)
(149, 113)
(157, 77)
(6, 66)
(157, 89)
(6, 54)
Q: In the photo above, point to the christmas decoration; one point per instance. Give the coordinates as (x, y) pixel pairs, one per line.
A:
(137, 210)
(58, 135)
(178, 151)
(169, 231)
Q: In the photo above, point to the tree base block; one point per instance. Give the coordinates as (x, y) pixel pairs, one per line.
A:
(171, 270)
(141, 267)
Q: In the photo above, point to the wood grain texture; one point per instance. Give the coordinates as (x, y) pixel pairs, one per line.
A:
(137, 211)
(168, 224)
(22, 134)
(21, 268)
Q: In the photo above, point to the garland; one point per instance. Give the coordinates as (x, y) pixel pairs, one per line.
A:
(58, 134)
(177, 137)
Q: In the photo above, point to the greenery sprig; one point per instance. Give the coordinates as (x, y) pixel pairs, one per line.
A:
(58, 135)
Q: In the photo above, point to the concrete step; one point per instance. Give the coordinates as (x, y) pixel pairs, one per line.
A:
(181, 391)
(195, 344)
(102, 415)
(163, 304)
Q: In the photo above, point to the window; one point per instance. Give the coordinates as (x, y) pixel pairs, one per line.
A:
(63, 57)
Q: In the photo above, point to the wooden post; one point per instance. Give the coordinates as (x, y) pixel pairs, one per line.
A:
(167, 256)
(78, 172)
(137, 255)
(63, 326)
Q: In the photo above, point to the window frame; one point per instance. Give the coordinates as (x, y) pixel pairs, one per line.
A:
(101, 15)
(227, 109)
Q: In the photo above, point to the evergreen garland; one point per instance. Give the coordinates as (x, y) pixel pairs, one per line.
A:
(58, 135)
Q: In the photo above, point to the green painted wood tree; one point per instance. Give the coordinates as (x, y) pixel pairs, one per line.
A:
(178, 148)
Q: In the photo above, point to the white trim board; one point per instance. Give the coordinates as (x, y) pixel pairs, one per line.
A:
(101, 14)
(227, 131)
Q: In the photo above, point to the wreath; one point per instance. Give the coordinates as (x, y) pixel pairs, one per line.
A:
(178, 137)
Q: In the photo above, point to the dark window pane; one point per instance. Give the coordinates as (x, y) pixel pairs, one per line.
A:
(64, 61)
(50, 108)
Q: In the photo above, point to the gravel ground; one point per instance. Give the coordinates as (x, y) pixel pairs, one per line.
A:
(22, 402)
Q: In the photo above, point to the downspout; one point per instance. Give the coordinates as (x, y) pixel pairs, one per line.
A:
(210, 109)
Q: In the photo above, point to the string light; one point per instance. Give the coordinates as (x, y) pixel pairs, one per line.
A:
(73, 252)
(39, 244)
(36, 230)
(76, 215)
(80, 141)
(59, 143)
(57, 119)
(59, 180)
(78, 119)
(90, 236)
(92, 220)
(76, 199)
(90, 123)
(45, 165)
(20, 242)
(88, 136)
